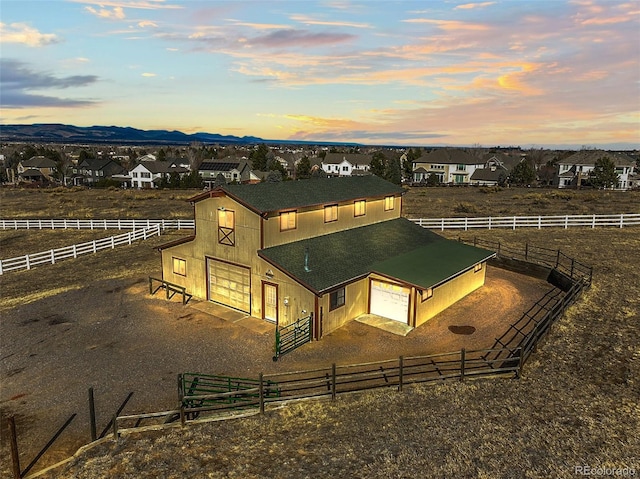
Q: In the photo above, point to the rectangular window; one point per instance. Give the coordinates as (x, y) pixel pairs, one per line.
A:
(226, 227)
(336, 299)
(388, 203)
(179, 266)
(330, 213)
(345, 168)
(426, 294)
(145, 175)
(359, 208)
(288, 221)
(135, 174)
(477, 268)
(461, 168)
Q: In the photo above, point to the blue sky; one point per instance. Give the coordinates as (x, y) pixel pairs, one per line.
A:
(541, 73)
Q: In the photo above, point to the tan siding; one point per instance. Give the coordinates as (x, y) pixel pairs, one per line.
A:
(356, 303)
(299, 297)
(310, 222)
(448, 293)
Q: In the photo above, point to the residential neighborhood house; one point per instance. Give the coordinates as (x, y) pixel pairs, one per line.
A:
(230, 169)
(449, 165)
(92, 170)
(148, 174)
(334, 247)
(37, 169)
(346, 164)
(574, 171)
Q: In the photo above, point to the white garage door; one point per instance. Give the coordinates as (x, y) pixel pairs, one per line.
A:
(390, 301)
(230, 285)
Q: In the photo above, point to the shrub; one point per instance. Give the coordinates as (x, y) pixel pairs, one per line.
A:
(464, 207)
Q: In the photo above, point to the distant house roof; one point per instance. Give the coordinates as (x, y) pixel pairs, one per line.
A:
(95, 163)
(353, 158)
(162, 167)
(450, 156)
(31, 173)
(589, 157)
(38, 162)
(219, 166)
(267, 197)
(398, 249)
(488, 174)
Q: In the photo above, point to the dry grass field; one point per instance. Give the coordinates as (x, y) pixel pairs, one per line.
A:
(576, 405)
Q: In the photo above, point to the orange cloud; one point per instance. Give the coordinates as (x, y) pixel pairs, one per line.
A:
(116, 13)
(311, 21)
(449, 25)
(468, 6)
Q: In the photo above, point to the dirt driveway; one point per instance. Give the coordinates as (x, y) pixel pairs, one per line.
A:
(115, 337)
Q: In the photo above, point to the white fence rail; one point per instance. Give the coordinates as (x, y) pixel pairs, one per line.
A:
(121, 224)
(73, 251)
(513, 222)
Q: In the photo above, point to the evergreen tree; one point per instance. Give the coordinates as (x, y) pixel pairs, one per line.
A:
(604, 173)
(258, 157)
(274, 176)
(377, 165)
(393, 171)
(192, 180)
(220, 180)
(303, 170)
(522, 174)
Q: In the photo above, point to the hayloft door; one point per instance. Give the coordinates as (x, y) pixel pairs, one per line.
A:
(270, 302)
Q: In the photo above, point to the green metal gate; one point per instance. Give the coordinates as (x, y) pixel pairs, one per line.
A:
(293, 336)
(193, 386)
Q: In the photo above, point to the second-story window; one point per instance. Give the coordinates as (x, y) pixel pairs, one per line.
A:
(461, 168)
(288, 221)
(330, 213)
(359, 208)
(388, 203)
(226, 227)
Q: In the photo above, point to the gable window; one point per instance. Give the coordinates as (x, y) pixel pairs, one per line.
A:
(345, 168)
(336, 299)
(359, 208)
(226, 227)
(179, 266)
(388, 203)
(288, 221)
(461, 167)
(330, 213)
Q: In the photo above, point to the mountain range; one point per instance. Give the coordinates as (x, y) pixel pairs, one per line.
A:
(59, 133)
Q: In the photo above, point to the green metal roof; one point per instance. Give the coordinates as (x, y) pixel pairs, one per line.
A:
(397, 248)
(266, 197)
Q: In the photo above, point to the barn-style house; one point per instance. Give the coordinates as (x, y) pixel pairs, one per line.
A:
(335, 247)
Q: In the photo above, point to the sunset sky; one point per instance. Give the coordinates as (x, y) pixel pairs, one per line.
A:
(528, 73)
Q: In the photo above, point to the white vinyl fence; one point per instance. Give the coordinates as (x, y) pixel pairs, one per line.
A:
(513, 222)
(122, 224)
(73, 251)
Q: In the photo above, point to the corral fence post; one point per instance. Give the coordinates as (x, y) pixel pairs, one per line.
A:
(181, 398)
(400, 372)
(92, 415)
(15, 456)
(261, 392)
(333, 381)
(115, 426)
(462, 354)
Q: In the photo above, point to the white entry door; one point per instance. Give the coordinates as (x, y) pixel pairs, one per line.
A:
(390, 301)
(270, 299)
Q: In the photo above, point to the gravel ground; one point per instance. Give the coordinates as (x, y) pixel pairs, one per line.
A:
(114, 336)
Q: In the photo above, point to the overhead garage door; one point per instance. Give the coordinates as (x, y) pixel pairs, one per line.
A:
(229, 284)
(390, 301)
